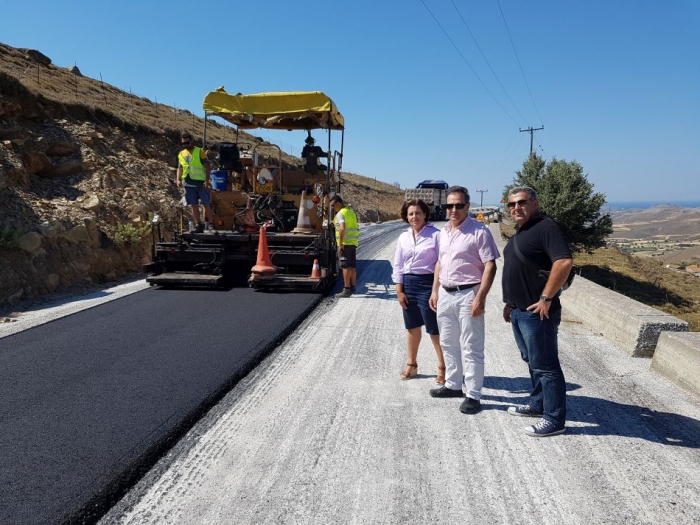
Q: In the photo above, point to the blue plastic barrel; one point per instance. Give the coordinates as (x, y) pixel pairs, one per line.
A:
(219, 180)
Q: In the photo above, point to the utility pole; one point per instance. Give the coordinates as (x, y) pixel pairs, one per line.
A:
(531, 131)
(482, 196)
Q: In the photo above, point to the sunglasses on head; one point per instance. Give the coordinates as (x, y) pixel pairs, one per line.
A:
(521, 203)
(459, 205)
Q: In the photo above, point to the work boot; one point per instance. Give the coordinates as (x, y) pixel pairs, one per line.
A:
(198, 229)
(347, 292)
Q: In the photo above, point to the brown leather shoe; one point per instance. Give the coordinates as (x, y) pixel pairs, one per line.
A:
(410, 371)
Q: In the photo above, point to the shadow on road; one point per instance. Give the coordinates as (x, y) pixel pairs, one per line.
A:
(373, 280)
(602, 417)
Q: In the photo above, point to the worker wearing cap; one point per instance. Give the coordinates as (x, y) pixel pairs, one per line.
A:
(194, 174)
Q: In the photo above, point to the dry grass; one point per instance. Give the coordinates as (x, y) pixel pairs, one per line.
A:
(640, 278)
(645, 280)
(100, 102)
(372, 199)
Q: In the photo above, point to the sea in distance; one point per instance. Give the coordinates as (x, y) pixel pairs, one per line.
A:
(632, 205)
(643, 205)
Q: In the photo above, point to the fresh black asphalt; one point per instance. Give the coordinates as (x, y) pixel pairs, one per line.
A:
(90, 401)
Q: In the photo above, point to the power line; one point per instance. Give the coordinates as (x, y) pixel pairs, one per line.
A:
(540, 146)
(504, 157)
(487, 61)
(518, 59)
(467, 62)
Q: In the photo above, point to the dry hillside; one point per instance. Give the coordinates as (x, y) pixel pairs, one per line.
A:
(672, 222)
(83, 164)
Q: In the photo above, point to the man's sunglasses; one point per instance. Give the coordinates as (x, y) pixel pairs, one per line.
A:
(521, 203)
(186, 143)
(459, 205)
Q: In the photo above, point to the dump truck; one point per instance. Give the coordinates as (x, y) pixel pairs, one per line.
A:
(272, 222)
(434, 194)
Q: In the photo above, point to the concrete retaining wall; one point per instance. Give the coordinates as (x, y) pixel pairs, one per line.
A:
(631, 325)
(677, 357)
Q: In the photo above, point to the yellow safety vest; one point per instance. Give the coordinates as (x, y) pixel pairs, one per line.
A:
(192, 166)
(352, 229)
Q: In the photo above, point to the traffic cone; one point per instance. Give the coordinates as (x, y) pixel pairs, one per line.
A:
(316, 271)
(264, 265)
(303, 222)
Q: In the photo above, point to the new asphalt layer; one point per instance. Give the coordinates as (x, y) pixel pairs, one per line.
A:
(89, 401)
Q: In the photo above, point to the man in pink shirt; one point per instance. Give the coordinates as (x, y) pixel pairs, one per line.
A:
(464, 274)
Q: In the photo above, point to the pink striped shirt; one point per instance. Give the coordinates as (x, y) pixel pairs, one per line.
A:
(463, 252)
(416, 255)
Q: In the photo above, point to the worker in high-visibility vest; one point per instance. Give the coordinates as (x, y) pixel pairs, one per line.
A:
(347, 233)
(194, 174)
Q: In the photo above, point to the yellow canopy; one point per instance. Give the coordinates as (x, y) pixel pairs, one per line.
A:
(292, 110)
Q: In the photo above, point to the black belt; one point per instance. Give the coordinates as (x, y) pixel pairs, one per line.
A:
(460, 287)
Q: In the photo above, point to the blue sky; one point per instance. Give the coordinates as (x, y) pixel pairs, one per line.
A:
(615, 83)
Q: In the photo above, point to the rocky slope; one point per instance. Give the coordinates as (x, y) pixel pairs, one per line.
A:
(83, 164)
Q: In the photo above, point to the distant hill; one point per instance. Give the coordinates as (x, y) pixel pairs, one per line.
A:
(659, 221)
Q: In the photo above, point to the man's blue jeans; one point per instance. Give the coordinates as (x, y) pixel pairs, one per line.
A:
(537, 341)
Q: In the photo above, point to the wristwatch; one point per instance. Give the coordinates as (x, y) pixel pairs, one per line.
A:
(545, 298)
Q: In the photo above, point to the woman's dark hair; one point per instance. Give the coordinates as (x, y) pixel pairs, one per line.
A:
(414, 202)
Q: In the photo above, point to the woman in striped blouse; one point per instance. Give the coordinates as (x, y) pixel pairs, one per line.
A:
(414, 266)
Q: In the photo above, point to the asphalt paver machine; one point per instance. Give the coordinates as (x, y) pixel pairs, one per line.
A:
(272, 221)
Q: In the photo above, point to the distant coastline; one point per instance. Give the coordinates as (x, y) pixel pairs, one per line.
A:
(643, 205)
(635, 205)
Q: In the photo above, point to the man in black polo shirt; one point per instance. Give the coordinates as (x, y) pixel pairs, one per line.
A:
(532, 307)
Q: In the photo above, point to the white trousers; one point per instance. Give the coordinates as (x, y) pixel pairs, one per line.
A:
(462, 341)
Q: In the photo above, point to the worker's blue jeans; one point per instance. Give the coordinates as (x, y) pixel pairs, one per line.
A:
(537, 341)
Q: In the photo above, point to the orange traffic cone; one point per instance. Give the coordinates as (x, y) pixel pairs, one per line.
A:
(303, 222)
(316, 271)
(264, 265)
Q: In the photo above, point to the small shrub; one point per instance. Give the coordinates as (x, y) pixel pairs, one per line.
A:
(130, 233)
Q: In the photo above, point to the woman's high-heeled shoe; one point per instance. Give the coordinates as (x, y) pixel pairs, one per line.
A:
(410, 371)
(440, 379)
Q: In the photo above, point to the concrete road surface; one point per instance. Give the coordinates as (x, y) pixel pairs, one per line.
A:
(325, 432)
